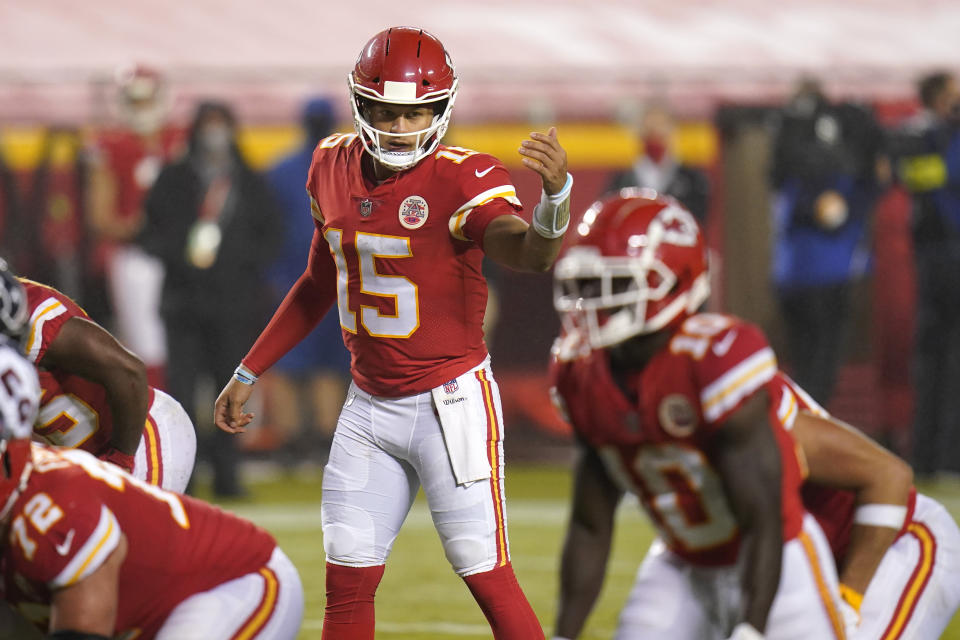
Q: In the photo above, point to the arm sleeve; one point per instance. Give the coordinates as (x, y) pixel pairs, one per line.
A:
(301, 310)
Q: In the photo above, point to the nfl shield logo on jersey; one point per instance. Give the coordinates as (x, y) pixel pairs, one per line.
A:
(451, 386)
(413, 212)
(366, 208)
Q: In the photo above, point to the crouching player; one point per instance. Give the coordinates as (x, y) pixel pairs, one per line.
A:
(89, 552)
(681, 409)
(95, 392)
(897, 551)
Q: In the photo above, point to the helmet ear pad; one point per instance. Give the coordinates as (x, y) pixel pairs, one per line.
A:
(649, 257)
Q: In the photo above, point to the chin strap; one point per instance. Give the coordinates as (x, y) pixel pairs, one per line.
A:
(551, 216)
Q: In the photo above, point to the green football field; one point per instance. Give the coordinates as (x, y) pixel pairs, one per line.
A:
(420, 598)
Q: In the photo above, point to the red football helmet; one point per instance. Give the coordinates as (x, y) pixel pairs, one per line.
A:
(141, 98)
(638, 263)
(408, 66)
(13, 305)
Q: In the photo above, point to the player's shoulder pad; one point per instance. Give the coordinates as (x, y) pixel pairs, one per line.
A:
(729, 357)
(330, 146)
(69, 533)
(468, 163)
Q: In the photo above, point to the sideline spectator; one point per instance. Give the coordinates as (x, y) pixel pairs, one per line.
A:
(826, 171)
(929, 167)
(212, 222)
(307, 386)
(657, 168)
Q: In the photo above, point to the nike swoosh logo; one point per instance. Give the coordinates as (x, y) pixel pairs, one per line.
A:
(480, 174)
(721, 348)
(64, 547)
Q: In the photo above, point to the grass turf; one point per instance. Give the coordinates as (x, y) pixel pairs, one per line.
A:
(420, 597)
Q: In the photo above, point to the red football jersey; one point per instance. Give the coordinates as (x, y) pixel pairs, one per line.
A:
(74, 411)
(833, 508)
(658, 446)
(133, 165)
(410, 292)
(70, 519)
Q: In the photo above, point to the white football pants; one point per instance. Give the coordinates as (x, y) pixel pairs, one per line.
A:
(916, 589)
(674, 600)
(168, 446)
(383, 450)
(263, 605)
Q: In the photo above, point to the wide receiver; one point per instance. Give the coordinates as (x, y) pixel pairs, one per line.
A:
(897, 553)
(684, 410)
(402, 224)
(95, 392)
(89, 552)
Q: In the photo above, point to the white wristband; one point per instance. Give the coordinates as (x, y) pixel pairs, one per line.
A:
(880, 515)
(551, 216)
(745, 631)
(244, 375)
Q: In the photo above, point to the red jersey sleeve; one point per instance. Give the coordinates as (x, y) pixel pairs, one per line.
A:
(486, 192)
(49, 310)
(734, 363)
(59, 540)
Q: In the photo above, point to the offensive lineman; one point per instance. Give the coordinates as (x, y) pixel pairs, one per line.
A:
(89, 552)
(402, 223)
(95, 392)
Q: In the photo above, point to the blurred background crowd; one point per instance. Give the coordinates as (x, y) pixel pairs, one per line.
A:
(153, 162)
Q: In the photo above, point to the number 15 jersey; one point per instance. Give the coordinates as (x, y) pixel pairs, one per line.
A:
(408, 252)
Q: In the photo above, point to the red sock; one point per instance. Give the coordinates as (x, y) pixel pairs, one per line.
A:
(350, 590)
(504, 604)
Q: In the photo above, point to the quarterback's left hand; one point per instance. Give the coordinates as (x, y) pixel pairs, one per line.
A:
(543, 153)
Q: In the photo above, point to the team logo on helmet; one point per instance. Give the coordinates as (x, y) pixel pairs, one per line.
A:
(413, 212)
(677, 415)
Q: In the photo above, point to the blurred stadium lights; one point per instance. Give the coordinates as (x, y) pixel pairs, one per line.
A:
(573, 58)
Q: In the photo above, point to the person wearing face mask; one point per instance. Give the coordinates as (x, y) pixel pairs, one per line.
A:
(204, 214)
(928, 165)
(657, 168)
(827, 168)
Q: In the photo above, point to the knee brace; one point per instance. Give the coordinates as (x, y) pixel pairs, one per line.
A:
(468, 554)
(349, 536)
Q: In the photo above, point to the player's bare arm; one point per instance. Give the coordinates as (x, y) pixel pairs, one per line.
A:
(747, 457)
(84, 348)
(510, 241)
(90, 605)
(840, 456)
(587, 545)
